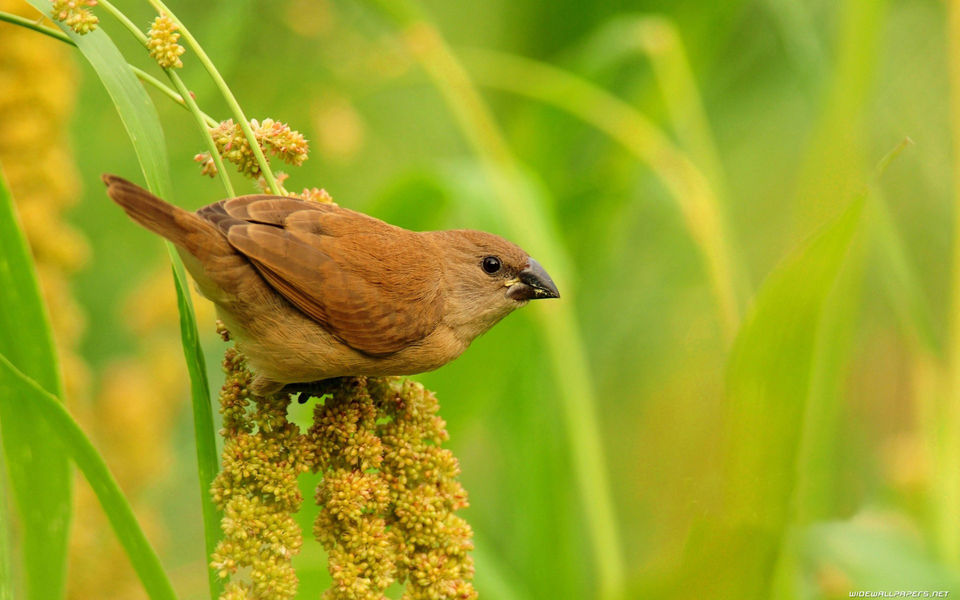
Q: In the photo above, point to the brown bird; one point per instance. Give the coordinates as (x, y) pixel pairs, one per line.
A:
(312, 291)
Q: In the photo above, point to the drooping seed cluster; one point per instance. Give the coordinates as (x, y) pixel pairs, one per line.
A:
(76, 14)
(273, 137)
(388, 493)
(257, 490)
(353, 495)
(162, 43)
(433, 542)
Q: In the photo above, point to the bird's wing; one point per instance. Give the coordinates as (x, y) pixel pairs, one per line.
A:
(372, 285)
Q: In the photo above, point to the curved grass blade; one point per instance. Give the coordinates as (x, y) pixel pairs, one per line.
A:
(18, 389)
(39, 473)
(207, 458)
(136, 110)
(690, 188)
(139, 117)
(771, 376)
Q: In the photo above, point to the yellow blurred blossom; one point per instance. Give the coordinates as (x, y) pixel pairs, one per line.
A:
(339, 127)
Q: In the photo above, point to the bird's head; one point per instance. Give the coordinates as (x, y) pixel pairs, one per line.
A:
(487, 278)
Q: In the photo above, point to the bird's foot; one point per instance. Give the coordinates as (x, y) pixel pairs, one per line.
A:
(310, 389)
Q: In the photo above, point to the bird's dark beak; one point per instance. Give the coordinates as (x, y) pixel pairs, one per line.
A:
(533, 283)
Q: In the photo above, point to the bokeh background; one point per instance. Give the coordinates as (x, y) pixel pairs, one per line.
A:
(759, 306)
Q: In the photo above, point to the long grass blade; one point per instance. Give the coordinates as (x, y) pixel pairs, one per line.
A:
(657, 39)
(770, 376)
(690, 189)
(207, 458)
(142, 123)
(18, 389)
(39, 473)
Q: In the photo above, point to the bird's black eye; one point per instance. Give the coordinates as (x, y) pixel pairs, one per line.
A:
(491, 265)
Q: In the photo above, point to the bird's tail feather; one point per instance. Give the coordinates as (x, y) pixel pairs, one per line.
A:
(183, 228)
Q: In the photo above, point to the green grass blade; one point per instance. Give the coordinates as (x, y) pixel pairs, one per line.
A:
(136, 110)
(657, 38)
(771, 374)
(39, 473)
(690, 189)
(207, 459)
(901, 280)
(17, 391)
(139, 117)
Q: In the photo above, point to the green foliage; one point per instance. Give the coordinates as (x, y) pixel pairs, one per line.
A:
(771, 391)
(145, 133)
(74, 444)
(39, 472)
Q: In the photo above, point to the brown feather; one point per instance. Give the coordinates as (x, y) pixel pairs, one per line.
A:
(312, 290)
(347, 271)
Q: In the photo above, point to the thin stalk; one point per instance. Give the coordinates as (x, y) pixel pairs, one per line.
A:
(34, 25)
(198, 116)
(948, 496)
(145, 561)
(656, 38)
(690, 189)
(227, 95)
(185, 96)
(659, 39)
(142, 75)
(207, 459)
(169, 92)
(527, 218)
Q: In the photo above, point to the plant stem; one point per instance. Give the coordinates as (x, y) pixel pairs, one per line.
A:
(198, 116)
(145, 77)
(185, 96)
(562, 334)
(169, 92)
(227, 95)
(34, 25)
(207, 458)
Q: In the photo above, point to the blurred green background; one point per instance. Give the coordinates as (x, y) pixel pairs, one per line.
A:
(763, 320)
